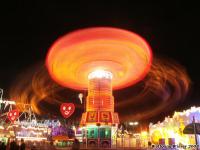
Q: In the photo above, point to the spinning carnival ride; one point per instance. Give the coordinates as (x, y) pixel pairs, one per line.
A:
(99, 59)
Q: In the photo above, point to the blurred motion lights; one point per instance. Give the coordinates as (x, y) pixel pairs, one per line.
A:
(73, 57)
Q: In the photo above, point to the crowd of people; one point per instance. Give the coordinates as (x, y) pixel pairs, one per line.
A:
(12, 145)
(2, 146)
(15, 145)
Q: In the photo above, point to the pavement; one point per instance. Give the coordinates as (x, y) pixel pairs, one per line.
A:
(104, 148)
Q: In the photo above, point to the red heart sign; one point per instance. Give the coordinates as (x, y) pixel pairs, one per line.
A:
(13, 115)
(67, 109)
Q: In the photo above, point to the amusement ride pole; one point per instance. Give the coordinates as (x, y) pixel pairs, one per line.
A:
(84, 110)
(195, 133)
(98, 113)
(86, 138)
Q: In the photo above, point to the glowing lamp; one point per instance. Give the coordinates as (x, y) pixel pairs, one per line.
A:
(133, 123)
(100, 74)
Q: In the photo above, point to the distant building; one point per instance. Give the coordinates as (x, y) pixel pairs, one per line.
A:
(170, 131)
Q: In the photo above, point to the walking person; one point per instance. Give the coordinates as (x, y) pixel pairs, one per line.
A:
(0, 144)
(22, 146)
(76, 144)
(13, 145)
(52, 147)
(3, 146)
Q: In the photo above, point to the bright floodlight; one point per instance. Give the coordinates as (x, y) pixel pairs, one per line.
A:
(133, 123)
(100, 74)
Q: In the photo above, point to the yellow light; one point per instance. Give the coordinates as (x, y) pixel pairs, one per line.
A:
(32, 138)
(144, 133)
(74, 128)
(156, 135)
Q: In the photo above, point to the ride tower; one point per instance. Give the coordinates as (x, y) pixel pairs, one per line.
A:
(99, 121)
(101, 59)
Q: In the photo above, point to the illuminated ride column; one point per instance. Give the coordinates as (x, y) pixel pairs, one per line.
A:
(100, 92)
(100, 120)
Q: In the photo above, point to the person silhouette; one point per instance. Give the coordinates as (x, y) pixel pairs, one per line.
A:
(3, 146)
(76, 144)
(13, 145)
(52, 147)
(22, 146)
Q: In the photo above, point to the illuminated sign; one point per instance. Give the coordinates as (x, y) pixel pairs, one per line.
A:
(67, 109)
(92, 116)
(13, 115)
(34, 123)
(105, 116)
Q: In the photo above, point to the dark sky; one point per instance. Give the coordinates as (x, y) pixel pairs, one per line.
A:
(27, 29)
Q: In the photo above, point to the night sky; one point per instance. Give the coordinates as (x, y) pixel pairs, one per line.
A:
(27, 30)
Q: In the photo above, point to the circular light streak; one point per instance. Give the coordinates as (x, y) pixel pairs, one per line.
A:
(74, 56)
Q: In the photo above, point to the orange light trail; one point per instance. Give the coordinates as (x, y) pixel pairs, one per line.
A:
(167, 81)
(168, 87)
(125, 54)
(34, 86)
